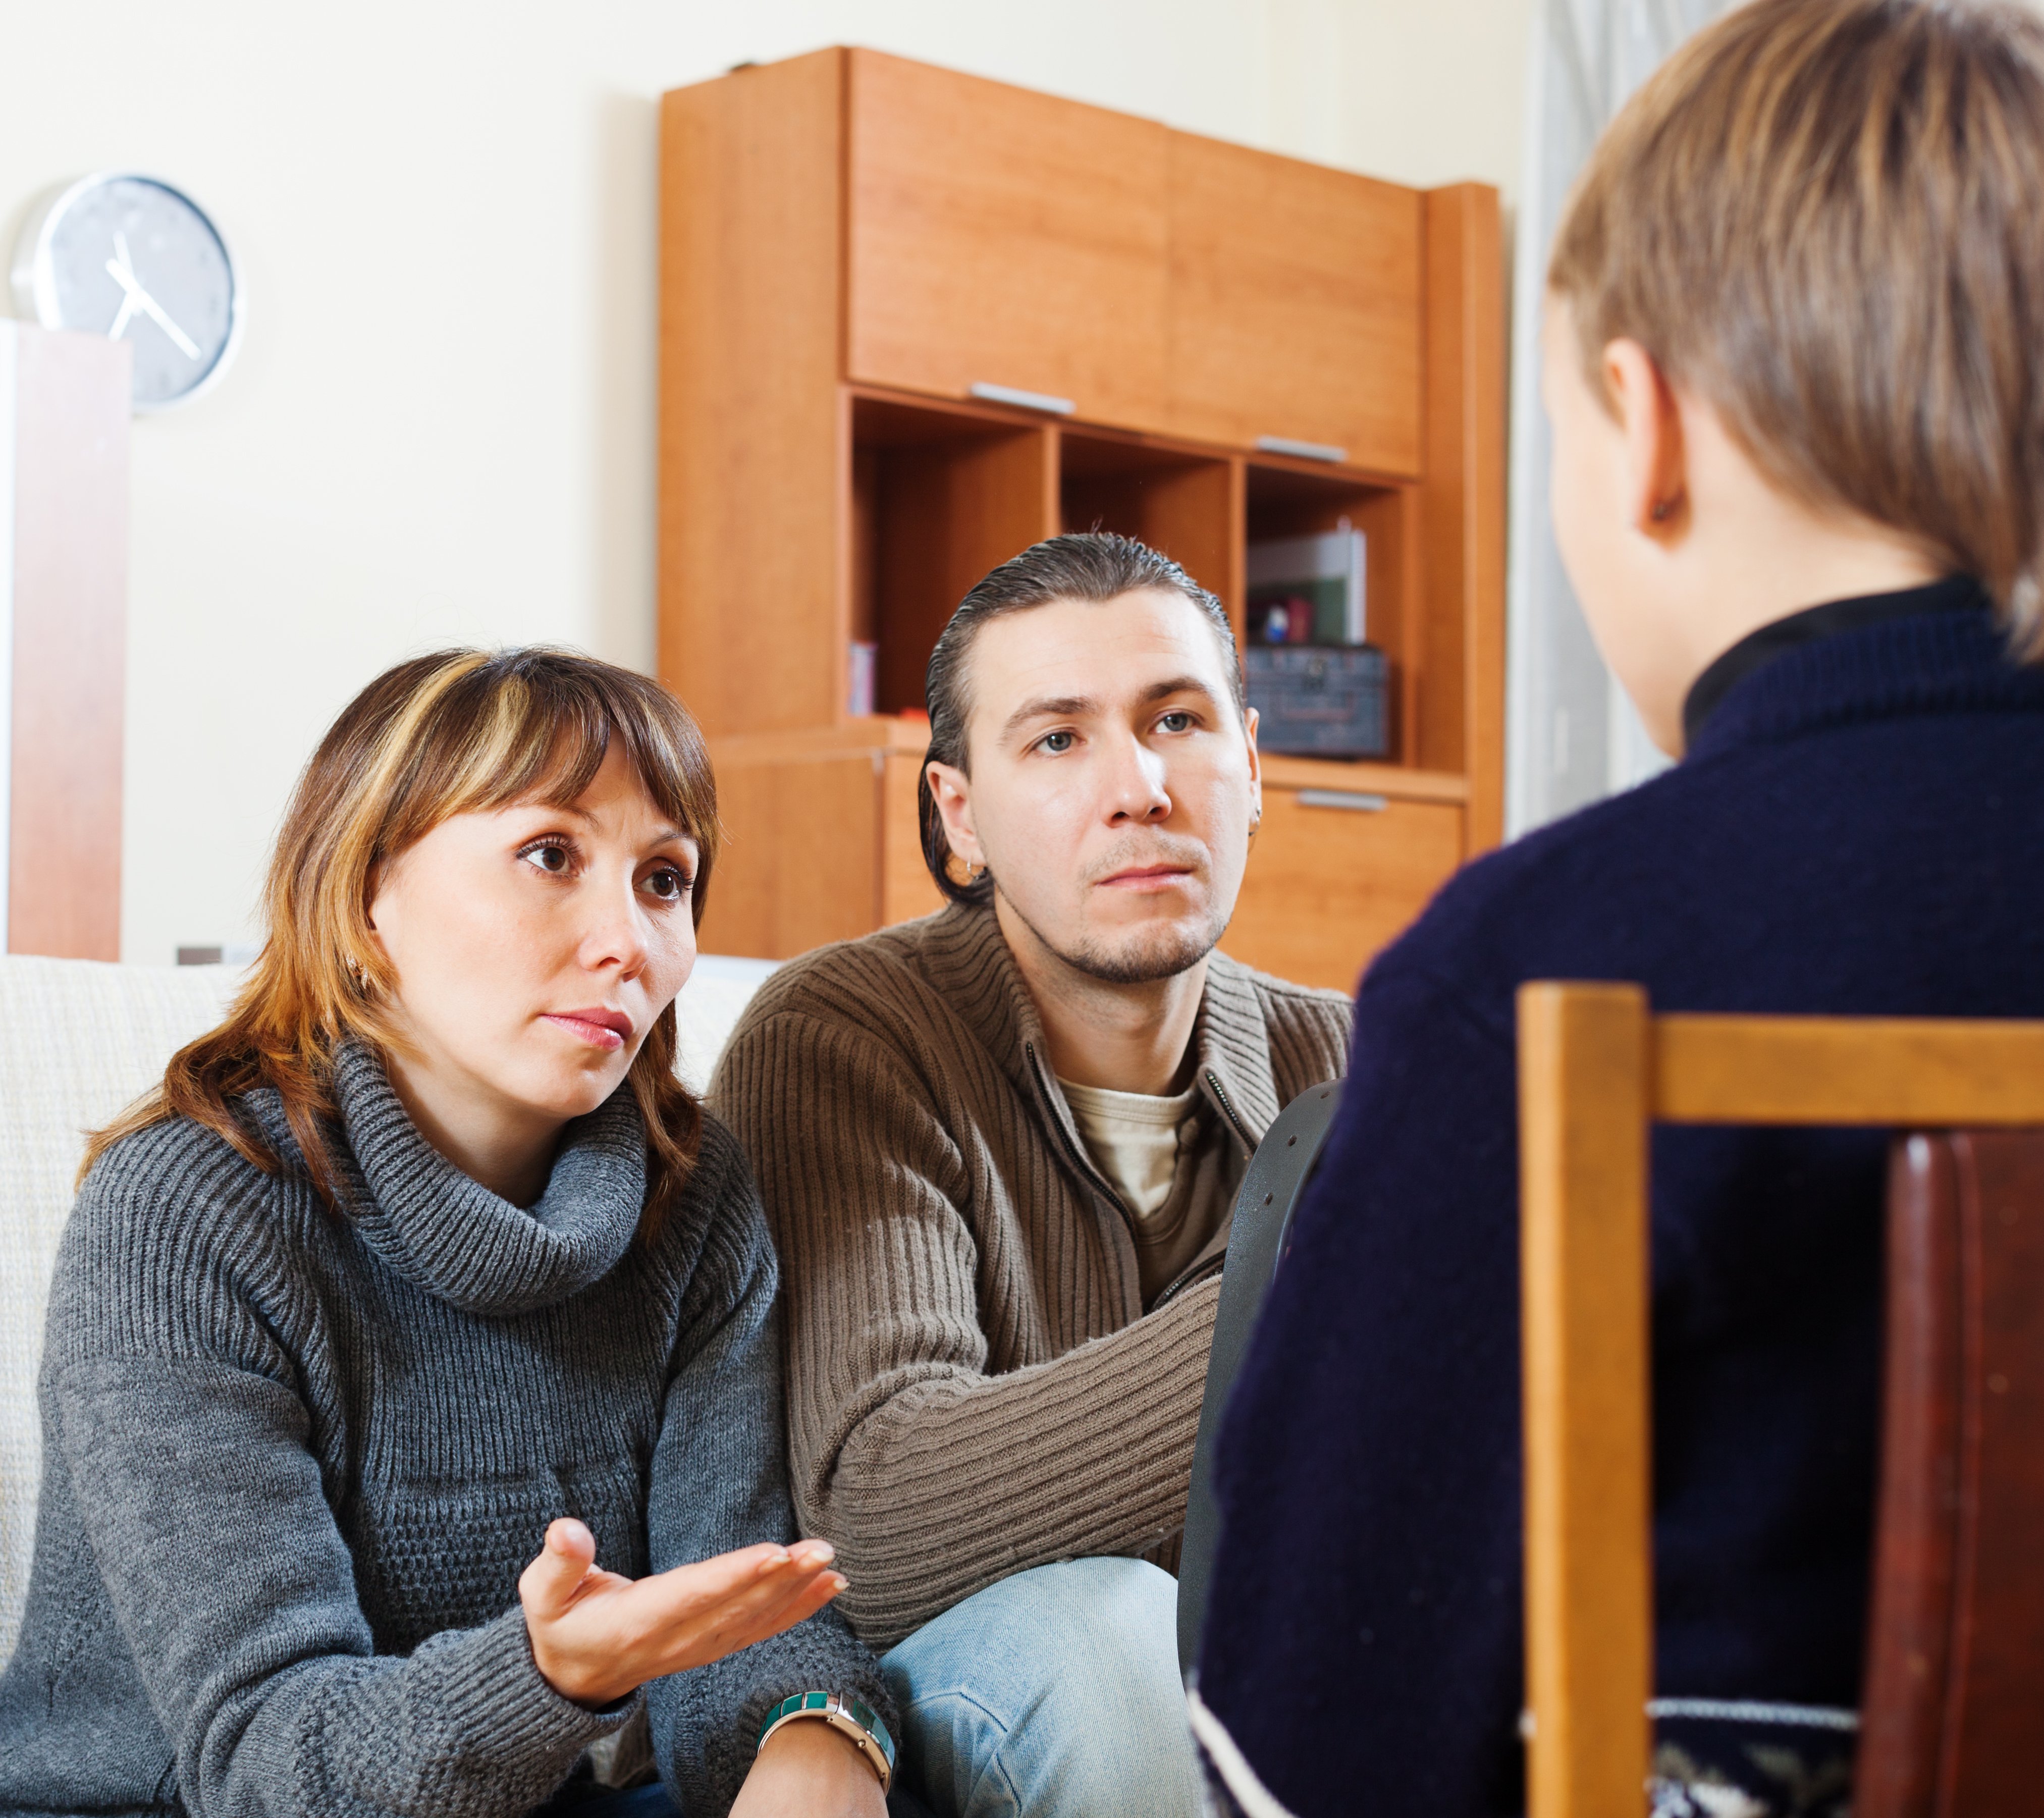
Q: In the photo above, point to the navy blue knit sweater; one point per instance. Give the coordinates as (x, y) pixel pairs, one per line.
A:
(1858, 827)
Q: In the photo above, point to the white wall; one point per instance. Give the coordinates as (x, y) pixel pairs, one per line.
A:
(441, 427)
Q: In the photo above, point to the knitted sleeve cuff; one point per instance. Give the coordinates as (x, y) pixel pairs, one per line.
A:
(493, 1687)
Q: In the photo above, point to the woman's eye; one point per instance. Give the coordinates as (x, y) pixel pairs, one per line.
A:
(669, 885)
(554, 859)
(1057, 743)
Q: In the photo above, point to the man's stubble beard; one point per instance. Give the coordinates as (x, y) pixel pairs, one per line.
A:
(1142, 957)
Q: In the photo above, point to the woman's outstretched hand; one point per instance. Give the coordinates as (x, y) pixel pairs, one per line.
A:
(597, 1636)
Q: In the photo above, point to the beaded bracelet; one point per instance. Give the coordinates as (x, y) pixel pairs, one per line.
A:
(849, 1716)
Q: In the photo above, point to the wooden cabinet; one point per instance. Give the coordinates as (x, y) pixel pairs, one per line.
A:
(1295, 305)
(1001, 237)
(1335, 873)
(850, 244)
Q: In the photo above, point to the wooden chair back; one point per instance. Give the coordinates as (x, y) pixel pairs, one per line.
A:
(1956, 1629)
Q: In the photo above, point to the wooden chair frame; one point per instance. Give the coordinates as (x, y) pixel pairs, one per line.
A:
(1596, 1071)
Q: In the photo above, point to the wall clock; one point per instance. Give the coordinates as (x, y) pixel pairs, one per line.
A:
(131, 257)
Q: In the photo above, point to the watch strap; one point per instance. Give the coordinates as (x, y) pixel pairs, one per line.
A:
(852, 1718)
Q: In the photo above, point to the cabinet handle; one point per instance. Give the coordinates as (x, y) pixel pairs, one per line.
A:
(1298, 451)
(1353, 799)
(1028, 400)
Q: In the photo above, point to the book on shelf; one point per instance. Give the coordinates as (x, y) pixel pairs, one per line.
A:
(1309, 590)
(864, 671)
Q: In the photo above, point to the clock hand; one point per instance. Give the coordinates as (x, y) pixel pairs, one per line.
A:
(127, 315)
(122, 272)
(155, 311)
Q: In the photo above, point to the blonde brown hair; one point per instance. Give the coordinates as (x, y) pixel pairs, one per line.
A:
(1824, 217)
(456, 732)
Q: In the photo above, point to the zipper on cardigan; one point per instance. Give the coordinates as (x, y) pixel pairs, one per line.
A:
(1195, 1274)
(1220, 1098)
(1083, 1163)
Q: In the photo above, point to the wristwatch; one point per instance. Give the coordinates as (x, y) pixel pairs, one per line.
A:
(851, 1717)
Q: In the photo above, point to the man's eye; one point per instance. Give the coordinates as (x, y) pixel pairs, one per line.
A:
(1177, 721)
(550, 857)
(1057, 743)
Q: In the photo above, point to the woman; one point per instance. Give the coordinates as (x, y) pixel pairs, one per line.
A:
(422, 1264)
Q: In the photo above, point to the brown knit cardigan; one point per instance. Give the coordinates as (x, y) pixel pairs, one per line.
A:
(973, 1387)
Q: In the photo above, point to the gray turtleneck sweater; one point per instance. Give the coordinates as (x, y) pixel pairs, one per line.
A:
(293, 1464)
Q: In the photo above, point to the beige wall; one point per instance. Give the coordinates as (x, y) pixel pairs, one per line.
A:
(441, 427)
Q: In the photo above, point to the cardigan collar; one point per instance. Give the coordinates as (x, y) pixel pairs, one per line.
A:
(453, 1237)
(1934, 649)
(968, 960)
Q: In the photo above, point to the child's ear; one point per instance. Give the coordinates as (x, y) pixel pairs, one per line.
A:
(1656, 464)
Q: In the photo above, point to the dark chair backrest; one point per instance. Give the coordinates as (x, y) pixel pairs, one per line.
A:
(1277, 1176)
(1950, 1720)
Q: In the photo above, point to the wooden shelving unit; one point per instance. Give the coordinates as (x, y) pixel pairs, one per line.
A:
(850, 244)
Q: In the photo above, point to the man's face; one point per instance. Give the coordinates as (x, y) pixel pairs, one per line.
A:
(1112, 786)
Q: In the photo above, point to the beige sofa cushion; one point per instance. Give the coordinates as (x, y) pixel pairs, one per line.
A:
(78, 1041)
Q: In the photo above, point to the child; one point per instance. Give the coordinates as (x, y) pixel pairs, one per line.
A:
(1794, 312)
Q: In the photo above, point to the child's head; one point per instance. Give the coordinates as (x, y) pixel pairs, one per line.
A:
(1796, 325)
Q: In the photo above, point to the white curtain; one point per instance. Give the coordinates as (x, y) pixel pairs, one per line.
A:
(1571, 735)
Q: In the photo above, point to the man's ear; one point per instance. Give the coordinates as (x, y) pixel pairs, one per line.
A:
(1250, 720)
(952, 789)
(1657, 474)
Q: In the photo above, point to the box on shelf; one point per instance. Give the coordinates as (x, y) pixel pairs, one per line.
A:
(1319, 701)
(1309, 590)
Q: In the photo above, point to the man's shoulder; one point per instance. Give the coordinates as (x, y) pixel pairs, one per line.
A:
(1304, 1029)
(841, 982)
(921, 993)
(1284, 1001)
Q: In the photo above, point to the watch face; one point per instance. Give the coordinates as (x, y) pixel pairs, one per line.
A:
(134, 259)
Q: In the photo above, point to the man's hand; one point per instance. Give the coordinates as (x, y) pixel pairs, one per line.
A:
(597, 1636)
(809, 1770)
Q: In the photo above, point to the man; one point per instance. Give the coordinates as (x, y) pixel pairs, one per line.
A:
(999, 1148)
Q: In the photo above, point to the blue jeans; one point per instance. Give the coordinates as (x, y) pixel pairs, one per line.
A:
(1052, 1694)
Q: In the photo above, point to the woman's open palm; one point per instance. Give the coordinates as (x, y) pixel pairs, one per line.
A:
(597, 1636)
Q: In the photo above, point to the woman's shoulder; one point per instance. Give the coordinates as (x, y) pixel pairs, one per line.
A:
(170, 1216)
(177, 1164)
(716, 1221)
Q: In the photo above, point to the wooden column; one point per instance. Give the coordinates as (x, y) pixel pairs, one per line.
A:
(64, 417)
(1462, 501)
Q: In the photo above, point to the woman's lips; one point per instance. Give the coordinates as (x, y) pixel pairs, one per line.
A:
(606, 1029)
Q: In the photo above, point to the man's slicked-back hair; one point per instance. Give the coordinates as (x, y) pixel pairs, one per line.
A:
(1827, 217)
(1095, 566)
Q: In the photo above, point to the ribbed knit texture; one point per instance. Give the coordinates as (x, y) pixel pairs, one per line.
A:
(973, 1387)
(1858, 829)
(294, 1465)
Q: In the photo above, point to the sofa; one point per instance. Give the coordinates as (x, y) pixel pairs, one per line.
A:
(79, 1040)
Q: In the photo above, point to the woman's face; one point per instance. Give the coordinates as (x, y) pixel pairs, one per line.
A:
(534, 947)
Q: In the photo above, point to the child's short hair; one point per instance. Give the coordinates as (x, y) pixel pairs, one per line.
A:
(1827, 218)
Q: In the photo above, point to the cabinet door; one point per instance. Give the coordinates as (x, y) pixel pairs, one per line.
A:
(1002, 237)
(800, 861)
(1328, 886)
(1295, 305)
